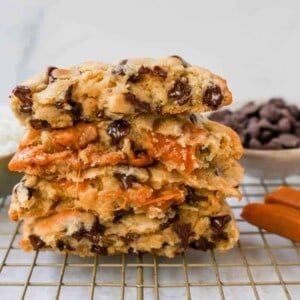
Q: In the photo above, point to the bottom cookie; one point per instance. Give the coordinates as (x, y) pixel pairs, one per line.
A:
(84, 234)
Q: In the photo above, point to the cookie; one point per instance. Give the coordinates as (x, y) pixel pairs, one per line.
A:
(58, 98)
(118, 159)
(84, 234)
(184, 143)
(108, 191)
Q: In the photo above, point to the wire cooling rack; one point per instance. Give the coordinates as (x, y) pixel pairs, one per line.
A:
(261, 266)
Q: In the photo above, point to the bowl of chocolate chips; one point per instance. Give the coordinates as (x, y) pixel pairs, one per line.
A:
(270, 133)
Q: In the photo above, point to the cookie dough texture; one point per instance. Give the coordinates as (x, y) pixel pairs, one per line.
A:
(111, 190)
(184, 143)
(90, 91)
(84, 234)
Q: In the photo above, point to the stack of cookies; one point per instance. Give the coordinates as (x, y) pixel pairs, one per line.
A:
(115, 161)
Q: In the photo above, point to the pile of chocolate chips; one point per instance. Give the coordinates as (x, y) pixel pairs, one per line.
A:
(270, 125)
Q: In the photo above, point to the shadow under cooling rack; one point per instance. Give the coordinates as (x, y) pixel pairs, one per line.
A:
(261, 266)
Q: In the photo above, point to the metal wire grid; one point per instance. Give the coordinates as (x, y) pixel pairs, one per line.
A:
(262, 266)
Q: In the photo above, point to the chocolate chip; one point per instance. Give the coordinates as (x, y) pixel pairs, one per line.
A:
(184, 231)
(183, 62)
(193, 118)
(265, 124)
(252, 121)
(139, 106)
(142, 71)
(169, 221)
(26, 108)
(76, 110)
(192, 197)
(294, 111)
(285, 113)
(76, 107)
(120, 69)
(219, 222)
(93, 234)
(99, 250)
(238, 119)
(79, 234)
(119, 214)
(68, 94)
(100, 114)
(297, 128)
(262, 128)
(279, 102)
(36, 242)
(158, 71)
(213, 96)
(118, 129)
(202, 244)
(219, 236)
(266, 136)
(284, 125)
(130, 237)
(126, 180)
(61, 246)
(60, 104)
(273, 144)
(270, 113)
(180, 92)
(24, 93)
(123, 62)
(134, 78)
(39, 124)
(51, 78)
(253, 129)
(288, 140)
(250, 109)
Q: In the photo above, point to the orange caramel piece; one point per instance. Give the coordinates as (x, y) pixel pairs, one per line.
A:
(277, 218)
(76, 137)
(168, 149)
(63, 146)
(284, 195)
(36, 156)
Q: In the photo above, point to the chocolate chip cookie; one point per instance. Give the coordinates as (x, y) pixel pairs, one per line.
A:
(110, 190)
(183, 143)
(58, 98)
(84, 234)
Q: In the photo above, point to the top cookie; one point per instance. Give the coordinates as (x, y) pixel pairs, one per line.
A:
(58, 98)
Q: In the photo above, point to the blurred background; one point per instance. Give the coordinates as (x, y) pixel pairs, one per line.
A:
(254, 44)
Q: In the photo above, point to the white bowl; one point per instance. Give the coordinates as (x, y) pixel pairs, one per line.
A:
(271, 164)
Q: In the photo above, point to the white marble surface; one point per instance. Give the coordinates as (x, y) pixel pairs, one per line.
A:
(254, 44)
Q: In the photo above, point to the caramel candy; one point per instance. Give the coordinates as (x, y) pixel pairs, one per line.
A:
(284, 195)
(277, 218)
